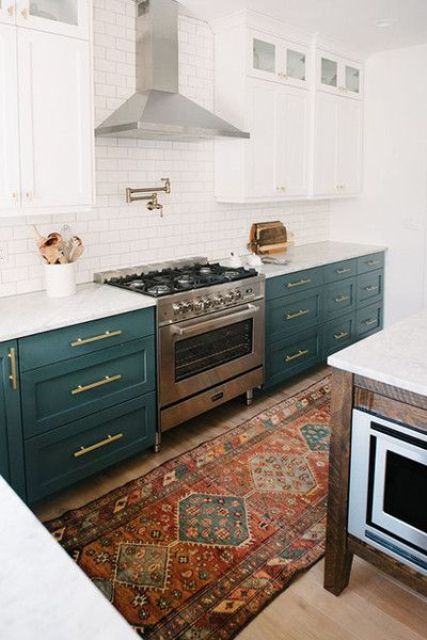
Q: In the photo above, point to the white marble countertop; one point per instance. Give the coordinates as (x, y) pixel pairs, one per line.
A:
(396, 356)
(43, 593)
(32, 313)
(317, 254)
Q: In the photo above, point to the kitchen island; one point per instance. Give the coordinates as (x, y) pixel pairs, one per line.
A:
(44, 594)
(381, 384)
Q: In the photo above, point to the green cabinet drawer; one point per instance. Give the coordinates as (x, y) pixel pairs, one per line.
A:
(340, 270)
(370, 263)
(338, 334)
(369, 320)
(370, 287)
(340, 298)
(61, 457)
(292, 355)
(63, 392)
(294, 313)
(81, 339)
(293, 283)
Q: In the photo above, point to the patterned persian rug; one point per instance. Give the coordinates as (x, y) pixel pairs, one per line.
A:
(198, 547)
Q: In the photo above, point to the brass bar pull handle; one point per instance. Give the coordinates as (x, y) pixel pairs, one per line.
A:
(341, 299)
(368, 323)
(299, 314)
(372, 263)
(13, 377)
(371, 288)
(300, 283)
(341, 272)
(104, 336)
(342, 335)
(95, 385)
(297, 356)
(83, 451)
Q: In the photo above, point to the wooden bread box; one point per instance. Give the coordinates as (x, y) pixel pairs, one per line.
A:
(268, 237)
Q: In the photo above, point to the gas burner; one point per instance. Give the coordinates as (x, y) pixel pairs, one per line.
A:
(159, 290)
(206, 271)
(185, 280)
(137, 284)
(231, 275)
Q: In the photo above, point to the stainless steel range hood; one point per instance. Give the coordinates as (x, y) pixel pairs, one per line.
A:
(157, 110)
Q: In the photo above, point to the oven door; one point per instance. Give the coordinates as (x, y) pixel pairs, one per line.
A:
(198, 354)
(399, 484)
(388, 488)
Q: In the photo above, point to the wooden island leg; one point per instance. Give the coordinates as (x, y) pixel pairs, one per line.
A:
(338, 557)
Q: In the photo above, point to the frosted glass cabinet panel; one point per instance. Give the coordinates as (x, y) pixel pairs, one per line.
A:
(296, 65)
(264, 56)
(64, 17)
(329, 72)
(352, 79)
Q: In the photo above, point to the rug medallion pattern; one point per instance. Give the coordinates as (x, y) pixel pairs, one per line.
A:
(196, 548)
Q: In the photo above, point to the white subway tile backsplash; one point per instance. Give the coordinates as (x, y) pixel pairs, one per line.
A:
(116, 234)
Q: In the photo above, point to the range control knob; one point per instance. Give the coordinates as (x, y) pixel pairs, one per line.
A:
(198, 305)
(207, 303)
(229, 297)
(218, 301)
(238, 294)
(187, 306)
(178, 308)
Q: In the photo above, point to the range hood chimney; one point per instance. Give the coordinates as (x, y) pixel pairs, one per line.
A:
(157, 110)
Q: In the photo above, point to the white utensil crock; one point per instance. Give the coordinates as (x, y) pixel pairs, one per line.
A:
(60, 280)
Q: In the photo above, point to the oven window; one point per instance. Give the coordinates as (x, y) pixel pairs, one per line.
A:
(406, 490)
(212, 349)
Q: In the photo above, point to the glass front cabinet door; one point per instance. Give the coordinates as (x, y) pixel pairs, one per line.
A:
(65, 17)
(339, 76)
(275, 59)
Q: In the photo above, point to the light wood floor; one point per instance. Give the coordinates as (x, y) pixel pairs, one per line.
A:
(374, 607)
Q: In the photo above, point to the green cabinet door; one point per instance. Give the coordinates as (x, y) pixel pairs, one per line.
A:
(11, 452)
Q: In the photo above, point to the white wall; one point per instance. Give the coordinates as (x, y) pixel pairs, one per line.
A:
(194, 224)
(393, 210)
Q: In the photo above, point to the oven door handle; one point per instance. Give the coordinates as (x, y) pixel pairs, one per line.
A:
(216, 323)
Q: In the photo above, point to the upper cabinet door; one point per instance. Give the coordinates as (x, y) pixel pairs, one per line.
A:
(339, 76)
(292, 112)
(9, 138)
(261, 180)
(64, 17)
(265, 56)
(55, 115)
(325, 146)
(7, 11)
(277, 60)
(349, 147)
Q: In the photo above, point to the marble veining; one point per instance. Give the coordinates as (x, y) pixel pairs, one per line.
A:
(395, 356)
(43, 592)
(32, 313)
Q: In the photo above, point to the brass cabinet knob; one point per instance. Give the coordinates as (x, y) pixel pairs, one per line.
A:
(24, 13)
(11, 9)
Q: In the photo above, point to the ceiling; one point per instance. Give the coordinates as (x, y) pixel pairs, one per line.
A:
(354, 22)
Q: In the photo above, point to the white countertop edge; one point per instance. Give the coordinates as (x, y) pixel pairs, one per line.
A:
(44, 594)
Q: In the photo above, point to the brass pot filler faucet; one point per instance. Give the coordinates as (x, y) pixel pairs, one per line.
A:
(153, 203)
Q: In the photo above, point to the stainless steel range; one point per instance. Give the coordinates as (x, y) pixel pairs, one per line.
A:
(210, 333)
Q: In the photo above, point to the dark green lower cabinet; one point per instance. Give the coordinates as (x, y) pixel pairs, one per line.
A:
(338, 334)
(75, 451)
(291, 355)
(11, 452)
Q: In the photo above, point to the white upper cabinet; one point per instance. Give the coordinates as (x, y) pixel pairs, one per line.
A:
(337, 146)
(9, 140)
(7, 11)
(277, 60)
(338, 75)
(64, 17)
(55, 120)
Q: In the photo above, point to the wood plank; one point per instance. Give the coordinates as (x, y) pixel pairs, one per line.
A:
(338, 557)
(390, 408)
(391, 392)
